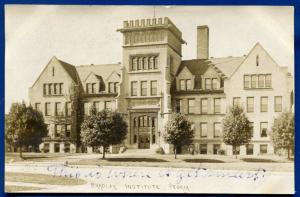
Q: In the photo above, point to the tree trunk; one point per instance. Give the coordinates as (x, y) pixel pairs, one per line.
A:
(234, 152)
(20, 151)
(175, 151)
(288, 152)
(103, 152)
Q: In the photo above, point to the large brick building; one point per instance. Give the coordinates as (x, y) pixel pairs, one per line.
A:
(153, 81)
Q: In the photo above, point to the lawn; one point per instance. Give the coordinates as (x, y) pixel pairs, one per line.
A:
(41, 179)
(268, 162)
(15, 188)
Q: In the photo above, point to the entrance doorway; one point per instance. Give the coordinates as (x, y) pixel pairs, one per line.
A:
(144, 130)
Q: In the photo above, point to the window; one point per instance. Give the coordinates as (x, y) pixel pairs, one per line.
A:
(111, 87)
(251, 127)
(153, 88)
(263, 104)
(263, 148)
(50, 89)
(56, 148)
(207, 84)
(268, 82)
(216, 148)
(146, 63)
(203, 129)
(254, 81)
(250, 104)
(116, 84)
(182, 84)
(217, 129)
(68, 109)
(53, 71)
(246, 81)
(178, 105)
(217, 105)
(214, 83)
(261, 81)
(56, 88)
(45, 89)
(155, 63)
(249, 149)
(140, 64)
(58, 109)
(143, 88)
(57, 130)
(278, 103)
(88, 88)
(86, 109)
(263, 129)
(203, 148)
(236, 101)
(134, 88)
(38, 106)
(151, 63)
(61, 86)
(134, 64)
(188, 84)
(68, 130)
(191, 106)
(47, 109)
(108, 105)
(257, 60)
(204, 109)
(67, 147)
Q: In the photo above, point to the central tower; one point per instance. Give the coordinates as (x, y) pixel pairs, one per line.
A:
(151, 56)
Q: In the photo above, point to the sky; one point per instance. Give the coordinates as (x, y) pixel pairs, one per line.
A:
(82, 35)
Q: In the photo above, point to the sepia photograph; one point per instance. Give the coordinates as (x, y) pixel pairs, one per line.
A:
(149, 99)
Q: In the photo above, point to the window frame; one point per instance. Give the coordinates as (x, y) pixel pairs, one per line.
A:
(276, 104)
(153, 87)
(133, 89)
(201, 130)
(249, 81)
(261, 104)
(261, 129)
(192, 107)
(201, 107)
(217, 123)
(217, 112)
(143, 89)
(207, 84)
(247, 102)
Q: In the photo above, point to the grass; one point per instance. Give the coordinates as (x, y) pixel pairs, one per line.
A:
(126, 159)
(15, 188)
(41, 179)
(203, 161)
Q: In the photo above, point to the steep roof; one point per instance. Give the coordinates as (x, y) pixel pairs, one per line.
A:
(70, 69)
(103, 70)
(224, 65)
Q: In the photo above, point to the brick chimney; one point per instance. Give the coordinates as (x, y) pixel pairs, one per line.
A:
(202, 42)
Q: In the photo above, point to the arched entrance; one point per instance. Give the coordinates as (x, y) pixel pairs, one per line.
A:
(144, 130)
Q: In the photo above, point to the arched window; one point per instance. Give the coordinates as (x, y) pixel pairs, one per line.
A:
(141, 63)
(145, 63)
(141, 121)
(145, 121)
(155, 66)
(151, 63)
(134, 64)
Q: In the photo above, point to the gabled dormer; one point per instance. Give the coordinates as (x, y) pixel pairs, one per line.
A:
(112, 82)
(185, 80)
(93, 84)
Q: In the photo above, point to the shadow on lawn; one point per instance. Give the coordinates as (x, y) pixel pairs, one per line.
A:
(253, 160)
(135, 160)
(203, 161)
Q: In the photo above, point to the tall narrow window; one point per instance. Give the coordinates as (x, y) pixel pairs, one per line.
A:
(257, 60)
(217, 129)
(278, 104)
(253, 81)
(204, 104)
(111, 87)
(261, 81)
(86, 109)
(68, 130)
(141, 63)
(217, 105)
(58, 111)
(47, 109)
(188, 84)
(246, 81)
(93, 88)
(250, 104)
(203, 129)
(207, 84)
(249, 149)
(68, 109)
(134, 88)
(134, 64)
(251, 128)
(268, 81)
(214, 83)
(50, 89)
(108, 105)
(151, 63)
(153, 88)
(263, 104)
(143, 88)
(146, 65)
(155, 63)
(45, 92)
(263, 129)
(178, 105)
(191, 106)
(61, 86)
(182, 84)
(116, 85)
(57, 130)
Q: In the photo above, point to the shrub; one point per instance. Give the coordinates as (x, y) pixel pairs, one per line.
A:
(160, 151)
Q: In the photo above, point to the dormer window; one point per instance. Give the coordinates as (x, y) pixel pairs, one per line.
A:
(91, 88)
(185, 84)
(257, 60)
(207, 84)
(214, 83)
(113, 87)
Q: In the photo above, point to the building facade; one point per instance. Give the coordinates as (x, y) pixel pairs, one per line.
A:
(153, 81)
